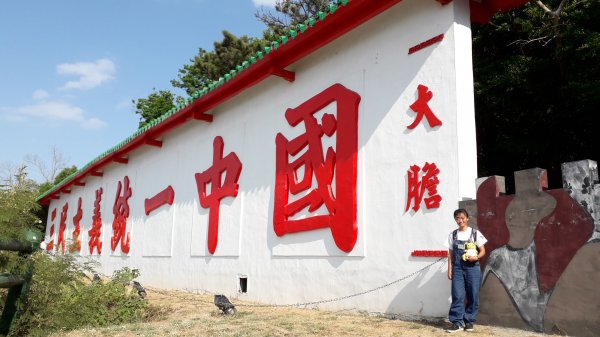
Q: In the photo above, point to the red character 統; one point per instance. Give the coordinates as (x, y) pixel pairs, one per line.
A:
(121, 212)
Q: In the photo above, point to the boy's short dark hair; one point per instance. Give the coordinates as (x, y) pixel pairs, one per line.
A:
(461, 210)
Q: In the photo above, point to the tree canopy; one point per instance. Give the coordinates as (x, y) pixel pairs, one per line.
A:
(204, 68)
(291, 13)
(18, 209)
(208, 66)
(537, 73)
(153, 106)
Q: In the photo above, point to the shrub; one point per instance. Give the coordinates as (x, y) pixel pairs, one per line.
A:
(61, 297)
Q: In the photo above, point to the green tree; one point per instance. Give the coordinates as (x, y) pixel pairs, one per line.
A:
(208, 66)
(64, 174)
(155, 105)
(18, 208)
(289, 14)
(537, 87)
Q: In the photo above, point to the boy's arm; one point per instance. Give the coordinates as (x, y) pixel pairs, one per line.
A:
(481, 252)
(449, 264)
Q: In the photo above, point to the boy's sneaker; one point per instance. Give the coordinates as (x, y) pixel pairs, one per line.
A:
(454, 328)
(469, 327)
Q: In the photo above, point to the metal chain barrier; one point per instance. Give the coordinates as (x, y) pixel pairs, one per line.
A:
(347, 296)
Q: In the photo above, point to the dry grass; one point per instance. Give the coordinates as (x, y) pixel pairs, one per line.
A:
(177, 313)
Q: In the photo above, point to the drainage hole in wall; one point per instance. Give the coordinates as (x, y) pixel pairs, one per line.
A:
(243, 284)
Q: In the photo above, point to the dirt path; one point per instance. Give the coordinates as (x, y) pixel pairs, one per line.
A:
(181, 313)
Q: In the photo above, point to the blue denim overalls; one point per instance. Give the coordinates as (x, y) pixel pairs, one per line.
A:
(466, 281)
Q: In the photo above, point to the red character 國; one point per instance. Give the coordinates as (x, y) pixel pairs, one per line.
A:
(322, 166)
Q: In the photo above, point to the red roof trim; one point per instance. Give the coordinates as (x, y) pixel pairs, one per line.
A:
(346, 18)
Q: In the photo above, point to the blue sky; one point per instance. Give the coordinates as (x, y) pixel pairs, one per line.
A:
(70, 68)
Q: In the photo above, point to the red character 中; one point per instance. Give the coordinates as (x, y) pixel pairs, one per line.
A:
(419, 184)
(232, 167)
(320, 165)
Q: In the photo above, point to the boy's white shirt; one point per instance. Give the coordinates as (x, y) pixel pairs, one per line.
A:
(465, 236)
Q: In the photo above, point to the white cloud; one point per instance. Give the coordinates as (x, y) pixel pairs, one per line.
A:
(91, 74)
(93, 124)
(53, 111)
(8, 114)
(40, 94)
(269, 3)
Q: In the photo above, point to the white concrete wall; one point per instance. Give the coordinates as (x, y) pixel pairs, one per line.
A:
(169, 247)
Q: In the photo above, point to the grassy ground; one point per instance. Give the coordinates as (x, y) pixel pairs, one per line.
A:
(177, 313)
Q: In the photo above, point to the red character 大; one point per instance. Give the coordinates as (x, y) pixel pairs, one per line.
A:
(232, 167)
(421, 107)
(339, 163)
(121, 212)
(76, 246)
(419, 184)
(50, 245)
(95, 233)
(60, 243)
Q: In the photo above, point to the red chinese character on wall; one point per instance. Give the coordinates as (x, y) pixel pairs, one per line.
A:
(163, 197)
(232, 167)
(121, 212)
(50, 245)
(421, 107)
(76, 246)
(421, 182)
(322, 166)
(95, 233)
(60, 242)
